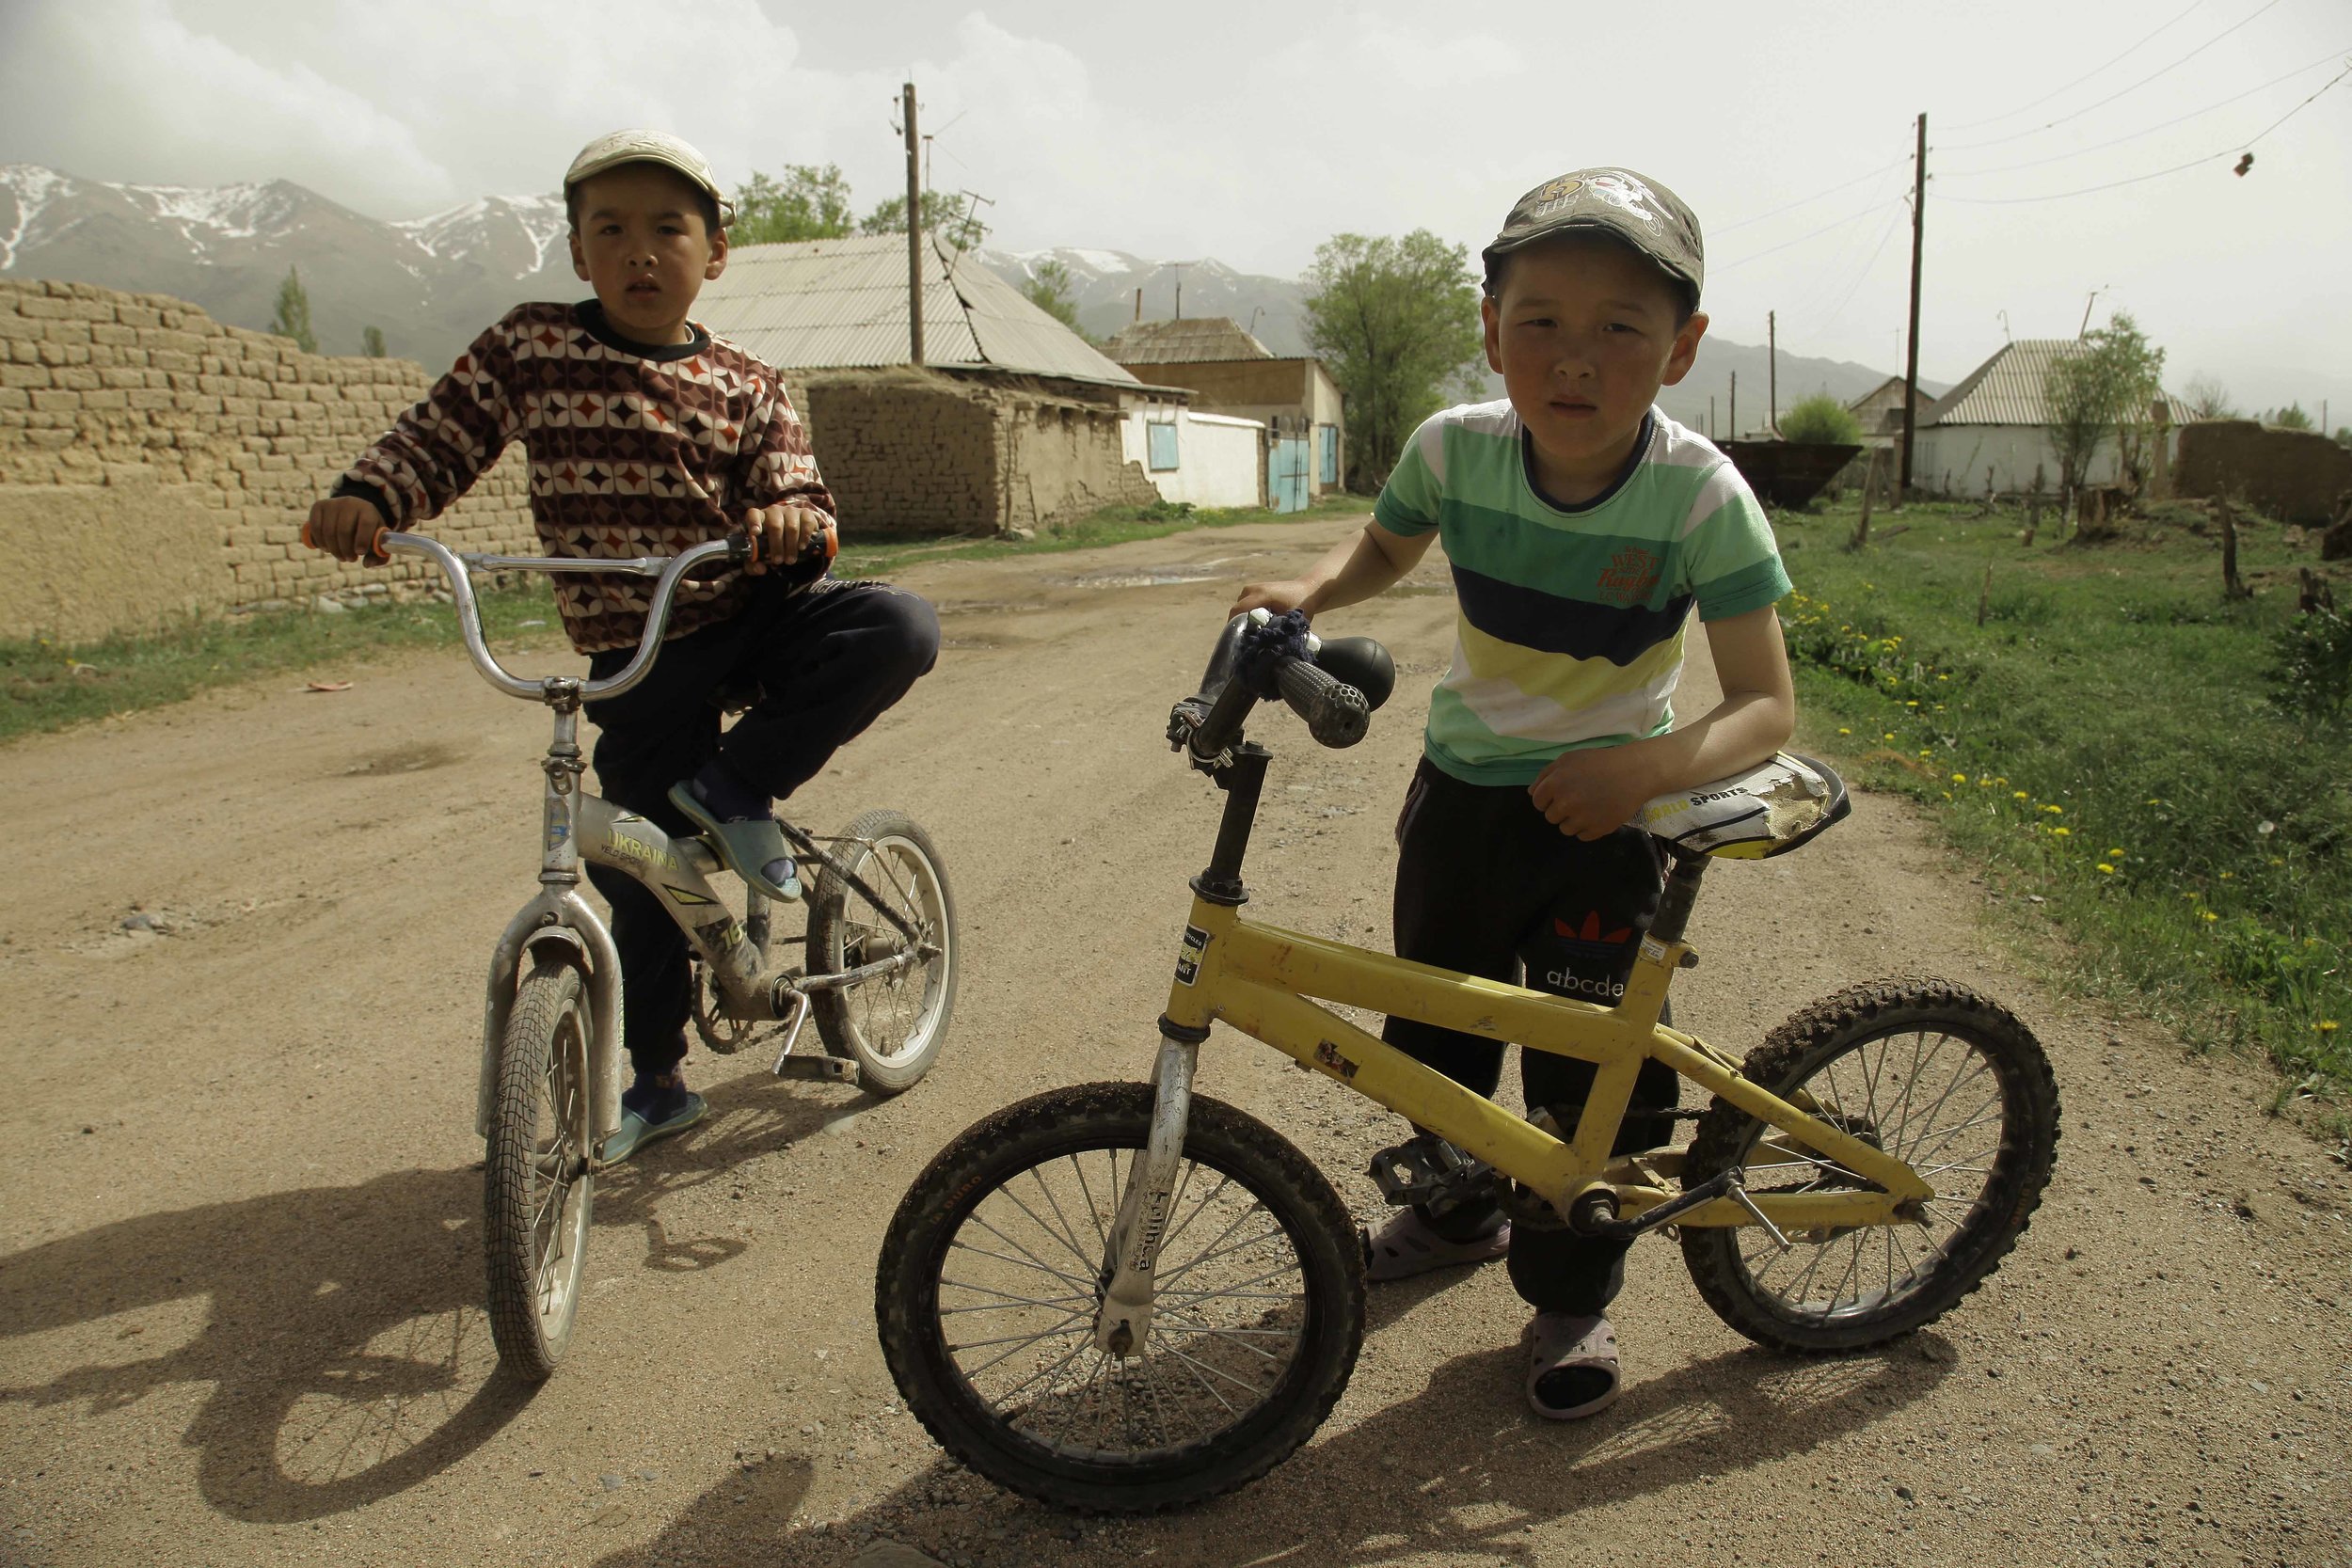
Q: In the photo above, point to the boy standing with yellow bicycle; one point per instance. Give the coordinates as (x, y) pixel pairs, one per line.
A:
(1582, 524)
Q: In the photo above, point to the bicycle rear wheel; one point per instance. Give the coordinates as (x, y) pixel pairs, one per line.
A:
(891, 1025)
(993, 1267)
(537, 1186)
(1931, 1072)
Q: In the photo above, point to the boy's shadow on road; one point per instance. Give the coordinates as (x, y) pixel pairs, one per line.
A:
(342, 1330)
(1458, 1469)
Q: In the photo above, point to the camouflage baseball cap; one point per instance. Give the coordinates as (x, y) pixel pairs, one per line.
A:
(1617, 201)
(648, 147)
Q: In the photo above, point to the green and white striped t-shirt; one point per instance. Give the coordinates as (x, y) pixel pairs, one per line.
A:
(1571, 624)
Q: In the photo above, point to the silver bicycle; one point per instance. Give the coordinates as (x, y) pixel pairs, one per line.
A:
(878, 972)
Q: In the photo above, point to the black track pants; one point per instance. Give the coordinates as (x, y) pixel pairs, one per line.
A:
(828, 660)
(1486, 886)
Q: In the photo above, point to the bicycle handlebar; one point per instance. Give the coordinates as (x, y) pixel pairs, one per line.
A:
(1338, 711)
(459, 569)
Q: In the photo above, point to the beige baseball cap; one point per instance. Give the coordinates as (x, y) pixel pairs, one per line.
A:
(642, 146)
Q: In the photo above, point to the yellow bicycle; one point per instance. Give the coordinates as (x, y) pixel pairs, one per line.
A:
(1132, 1296)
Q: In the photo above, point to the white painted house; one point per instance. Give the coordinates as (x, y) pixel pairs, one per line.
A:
(1206, 459)
(1994, 427)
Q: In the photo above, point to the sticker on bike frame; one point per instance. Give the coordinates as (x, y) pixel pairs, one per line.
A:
(1653, 950)
(1188, 957)
(680, 895)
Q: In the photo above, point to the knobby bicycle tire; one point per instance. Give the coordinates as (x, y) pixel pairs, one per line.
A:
(1925, 1271)
(545, 1052)
(1323, 1321)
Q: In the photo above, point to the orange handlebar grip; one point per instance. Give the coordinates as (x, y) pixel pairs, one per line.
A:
(305, 535)
(833, 541)
(375, 545)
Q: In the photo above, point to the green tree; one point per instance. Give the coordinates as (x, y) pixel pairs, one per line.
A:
(2344, 435)
(372, 342)
(1396, 322)
(961, 231)
(292, 319)
(1821, 419)
(806, 202)
(2102, 391)
(888, 217)
(2292, 417)
(1052, 289)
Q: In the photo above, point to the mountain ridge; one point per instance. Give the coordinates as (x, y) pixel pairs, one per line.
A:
(431, 283)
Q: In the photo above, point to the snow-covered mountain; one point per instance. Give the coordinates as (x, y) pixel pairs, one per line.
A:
(429, 283)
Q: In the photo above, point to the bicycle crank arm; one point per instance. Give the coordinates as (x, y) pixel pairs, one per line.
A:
(1595, 1213)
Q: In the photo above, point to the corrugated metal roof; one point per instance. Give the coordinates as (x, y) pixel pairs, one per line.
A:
(2011, 388)
(842, 305)
(1200, 339)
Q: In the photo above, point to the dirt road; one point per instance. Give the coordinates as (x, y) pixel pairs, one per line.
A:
(239, 1262)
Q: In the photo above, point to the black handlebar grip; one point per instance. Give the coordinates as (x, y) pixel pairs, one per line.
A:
(1335, 712)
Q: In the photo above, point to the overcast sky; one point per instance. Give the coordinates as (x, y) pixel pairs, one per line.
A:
(1253, 132)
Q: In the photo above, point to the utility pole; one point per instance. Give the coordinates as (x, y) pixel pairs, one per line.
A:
(1911, 354)
(1710, 416)
(1735, 406)
(1772, 373)
(1179, 268)
(914, 230)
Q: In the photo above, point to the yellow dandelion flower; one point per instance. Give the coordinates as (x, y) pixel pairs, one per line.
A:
(2115, 854)
(1913, 703)
(2055, 811)
(2000, 781)
(1845, 732)
(2276, 860)
(2062, 832)
(1890, 734)
(2208, 914)
(2227, 875)
(2020, 794)
(1960, 778)
(2104, 869)
(1943, 678)
(2326, 1026)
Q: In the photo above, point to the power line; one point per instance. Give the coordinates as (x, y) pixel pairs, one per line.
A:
(2328, 58)
(1840, 223)
(2084, 77)
(1806, 201)
(2110, 98)
(2142, 178)
(1894, 222)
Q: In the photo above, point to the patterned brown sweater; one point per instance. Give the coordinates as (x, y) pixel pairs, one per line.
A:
(634, 451)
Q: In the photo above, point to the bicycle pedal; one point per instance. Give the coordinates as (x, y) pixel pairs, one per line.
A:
(1428, 1171)
(824, 1070)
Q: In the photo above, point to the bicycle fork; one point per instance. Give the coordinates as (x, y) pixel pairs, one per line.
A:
(1130, 1256)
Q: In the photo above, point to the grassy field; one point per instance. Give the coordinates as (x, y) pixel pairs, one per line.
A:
(45, 686)
(2096, 725)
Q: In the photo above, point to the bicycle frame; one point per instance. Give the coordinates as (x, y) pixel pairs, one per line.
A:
(1259, 978)
(576, 826)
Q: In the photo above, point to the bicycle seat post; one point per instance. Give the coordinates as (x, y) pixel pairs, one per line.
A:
(559, 866)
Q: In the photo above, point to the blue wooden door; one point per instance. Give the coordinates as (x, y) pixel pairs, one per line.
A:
(1286, 474)
(1327, 456)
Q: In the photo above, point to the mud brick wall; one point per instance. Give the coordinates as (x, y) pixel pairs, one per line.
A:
(156, 464)
(904, 453)
(1059, 460)
(2293, 474)
(910, 452)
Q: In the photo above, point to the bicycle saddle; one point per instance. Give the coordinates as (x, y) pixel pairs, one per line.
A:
(1767, 810)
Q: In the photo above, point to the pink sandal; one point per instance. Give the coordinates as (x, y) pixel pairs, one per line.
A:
(1563, 1343)
(1407, 1245)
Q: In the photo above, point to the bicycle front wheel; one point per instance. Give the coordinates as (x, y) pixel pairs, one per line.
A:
(994, 1264)
(537, 1186)
(890, 1025)
(1930, 1071)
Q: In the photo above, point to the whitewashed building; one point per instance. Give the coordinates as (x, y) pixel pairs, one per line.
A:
(1993, 428)
(1206, 459)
